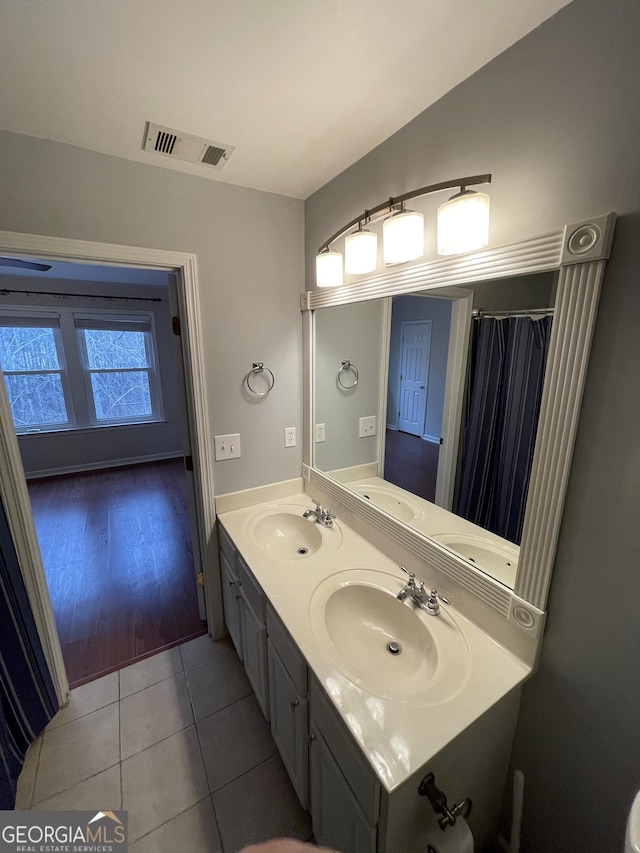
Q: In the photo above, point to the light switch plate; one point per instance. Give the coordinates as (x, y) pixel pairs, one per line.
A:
(227, 446)
(367, 426)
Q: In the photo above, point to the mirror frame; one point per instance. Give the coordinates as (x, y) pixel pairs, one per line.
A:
(578, 253)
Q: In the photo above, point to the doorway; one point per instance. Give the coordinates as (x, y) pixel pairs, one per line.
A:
(94, 382)
(13, 487)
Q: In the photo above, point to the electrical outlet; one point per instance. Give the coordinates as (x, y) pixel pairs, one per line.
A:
(320, 433)
(367, 426)
(227, 446)
(289, 436)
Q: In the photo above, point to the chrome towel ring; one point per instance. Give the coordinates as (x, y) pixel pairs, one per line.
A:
(257, 369)
(347, 367)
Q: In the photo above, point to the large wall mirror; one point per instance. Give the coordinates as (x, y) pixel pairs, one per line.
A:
(467, 488)
(445, 399)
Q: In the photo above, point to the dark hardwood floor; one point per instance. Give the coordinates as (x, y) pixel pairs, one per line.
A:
(411, 463)
(116, 547)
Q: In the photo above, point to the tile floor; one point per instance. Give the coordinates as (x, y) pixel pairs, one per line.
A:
(179, 741)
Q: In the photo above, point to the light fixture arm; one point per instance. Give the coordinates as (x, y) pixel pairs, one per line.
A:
(386, 207)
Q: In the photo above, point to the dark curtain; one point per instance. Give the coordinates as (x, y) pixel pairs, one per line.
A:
(27, 696)
(504, 388)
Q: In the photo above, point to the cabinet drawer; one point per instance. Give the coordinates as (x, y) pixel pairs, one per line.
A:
(289, 653)
(356, 770)
(251, 590)
(226, 544)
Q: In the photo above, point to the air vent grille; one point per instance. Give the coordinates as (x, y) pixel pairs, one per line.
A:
(165, 142)
(213, 155)
(183, 146)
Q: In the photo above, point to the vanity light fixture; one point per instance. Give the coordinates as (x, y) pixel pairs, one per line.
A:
(329, 268)
(403, 237)
(361, 251)
(463, 223)
(463, 226)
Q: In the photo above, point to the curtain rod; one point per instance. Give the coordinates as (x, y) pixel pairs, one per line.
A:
(478, 313)
(5, 291)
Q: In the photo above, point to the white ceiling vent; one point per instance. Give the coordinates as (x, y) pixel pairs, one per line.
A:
(184, 146)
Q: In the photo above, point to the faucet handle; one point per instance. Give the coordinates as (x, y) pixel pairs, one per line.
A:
(435, 595)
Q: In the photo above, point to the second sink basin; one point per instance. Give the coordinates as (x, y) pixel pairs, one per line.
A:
(386, 646)
(498, 559)
(282, 531)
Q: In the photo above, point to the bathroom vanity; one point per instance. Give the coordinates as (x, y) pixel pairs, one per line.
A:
(367, 693)
(358, 726)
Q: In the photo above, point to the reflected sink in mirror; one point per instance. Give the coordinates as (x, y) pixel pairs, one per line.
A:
(499, 559)
(388, 647)
(389, 500)
(281, 531)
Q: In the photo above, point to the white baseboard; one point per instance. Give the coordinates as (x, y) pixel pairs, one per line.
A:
(433, 439)
(393, 427)
(98, 466)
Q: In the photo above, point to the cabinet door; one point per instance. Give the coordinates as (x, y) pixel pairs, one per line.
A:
(254, 646)
(289, 724)
(338, 821)
(232, 603)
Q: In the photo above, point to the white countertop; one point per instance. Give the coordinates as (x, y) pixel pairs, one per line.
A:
(397, 736)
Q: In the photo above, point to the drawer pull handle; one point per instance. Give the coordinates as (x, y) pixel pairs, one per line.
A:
(311, 738)
(294, 704)
(234, 583)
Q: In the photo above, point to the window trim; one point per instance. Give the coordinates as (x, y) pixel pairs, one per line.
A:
(134, 321)
(67, 325)
(16, 318)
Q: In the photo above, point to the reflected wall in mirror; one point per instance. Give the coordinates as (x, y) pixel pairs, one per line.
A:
(456, 402)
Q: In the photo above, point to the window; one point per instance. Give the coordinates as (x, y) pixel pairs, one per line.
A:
(117, 356)
(30, 356)
(78, 370)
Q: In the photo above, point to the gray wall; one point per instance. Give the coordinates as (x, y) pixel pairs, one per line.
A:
(352, 332)
(55, 452)
(556, 120)
(439, 312)
(250, 266)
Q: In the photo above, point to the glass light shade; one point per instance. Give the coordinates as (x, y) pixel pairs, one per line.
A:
(329, 269)
(403, 237)
(361, 252)
(463, 223)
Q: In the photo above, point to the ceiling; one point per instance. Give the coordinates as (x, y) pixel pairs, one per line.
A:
(302, 88)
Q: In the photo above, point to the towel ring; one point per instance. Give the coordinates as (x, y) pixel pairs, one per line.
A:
(347, 367)
(258, 367)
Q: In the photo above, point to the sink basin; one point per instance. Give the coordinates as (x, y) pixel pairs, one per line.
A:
(388, 500)
(389, 648)
(498, 559)
(282, 531)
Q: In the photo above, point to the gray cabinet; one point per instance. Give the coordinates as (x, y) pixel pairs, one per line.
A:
(345, 794)
(289, 724)
(254, 642)
(338, 821)
(289, 704)
(232, 600)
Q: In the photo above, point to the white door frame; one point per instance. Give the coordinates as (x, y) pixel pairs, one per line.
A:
(13, 486)
(461, 309)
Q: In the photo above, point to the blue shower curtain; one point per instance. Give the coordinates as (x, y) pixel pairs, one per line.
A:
(506, 374)
(27, 696)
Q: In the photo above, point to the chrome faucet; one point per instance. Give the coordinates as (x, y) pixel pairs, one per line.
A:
(322, 516)
(419, 596)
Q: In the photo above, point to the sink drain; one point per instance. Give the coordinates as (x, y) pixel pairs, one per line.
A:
(393, 648)
(303, 551)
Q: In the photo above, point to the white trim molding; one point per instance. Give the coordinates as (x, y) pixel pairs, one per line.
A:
(13, 488)
(578, 253)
